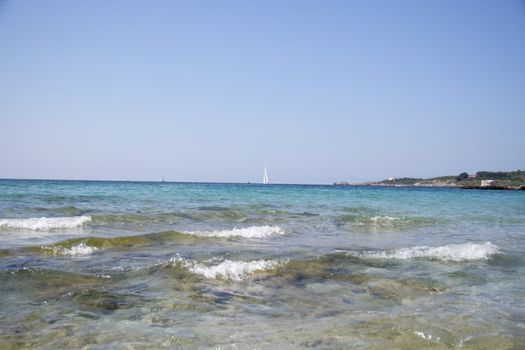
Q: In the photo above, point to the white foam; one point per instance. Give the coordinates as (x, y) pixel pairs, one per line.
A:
(228, 269)
(78, 250)
(247, 232)
(384, 218)
(428, 336)
(451, 252)
(44, 223)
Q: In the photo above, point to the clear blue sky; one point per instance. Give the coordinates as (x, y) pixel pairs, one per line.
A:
(317, 91)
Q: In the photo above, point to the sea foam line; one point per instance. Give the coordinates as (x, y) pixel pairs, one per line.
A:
(228, 269)
(451, 252)
(246, 232)
(44, 223)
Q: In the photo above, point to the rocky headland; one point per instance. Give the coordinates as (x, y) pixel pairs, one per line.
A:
(483, 180)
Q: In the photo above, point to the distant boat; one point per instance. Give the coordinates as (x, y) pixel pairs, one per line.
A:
(162, 179)
(265, 177)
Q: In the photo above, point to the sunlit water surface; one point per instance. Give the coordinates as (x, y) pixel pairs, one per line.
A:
(166, 265)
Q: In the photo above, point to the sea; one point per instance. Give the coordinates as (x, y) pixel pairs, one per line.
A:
(160, 265)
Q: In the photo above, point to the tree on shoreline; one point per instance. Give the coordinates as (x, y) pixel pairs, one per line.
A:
(462, 176)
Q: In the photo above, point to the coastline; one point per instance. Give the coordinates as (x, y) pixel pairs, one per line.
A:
(501, 188)
(481, 180)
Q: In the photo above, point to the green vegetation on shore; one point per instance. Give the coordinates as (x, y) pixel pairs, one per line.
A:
(504, 180)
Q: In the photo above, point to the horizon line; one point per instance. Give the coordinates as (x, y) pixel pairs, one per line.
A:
(166, 181)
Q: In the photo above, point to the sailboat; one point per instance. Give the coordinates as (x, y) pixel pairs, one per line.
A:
(265, 177)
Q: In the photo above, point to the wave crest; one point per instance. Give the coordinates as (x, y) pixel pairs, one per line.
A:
(228, 269)
(246, 232)
(451, 252)
(45, 223)
(80, 249)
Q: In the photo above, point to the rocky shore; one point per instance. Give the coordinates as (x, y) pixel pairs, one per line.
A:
(482, 180)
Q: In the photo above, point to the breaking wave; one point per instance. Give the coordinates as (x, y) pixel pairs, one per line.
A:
(451, 252)
(228, 269)
(45, 223)
(247, 232)
(80, 249)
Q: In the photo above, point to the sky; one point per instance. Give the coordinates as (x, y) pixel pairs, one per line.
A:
(316, 91)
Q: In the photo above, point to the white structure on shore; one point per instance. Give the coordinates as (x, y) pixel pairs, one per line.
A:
(485, 183)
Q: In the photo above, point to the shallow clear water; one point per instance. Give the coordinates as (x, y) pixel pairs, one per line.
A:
(169, 265)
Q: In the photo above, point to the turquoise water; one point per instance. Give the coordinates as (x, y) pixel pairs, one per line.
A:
(234, 266)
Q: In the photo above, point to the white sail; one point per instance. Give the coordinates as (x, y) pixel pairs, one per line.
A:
(265, 177)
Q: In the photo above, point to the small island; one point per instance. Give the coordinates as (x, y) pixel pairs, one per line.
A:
(483, 180)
